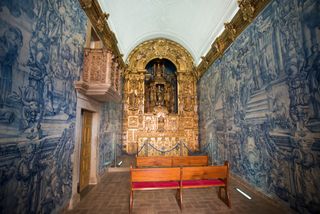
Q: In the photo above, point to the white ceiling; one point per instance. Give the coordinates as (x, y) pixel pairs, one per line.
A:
(194, 24)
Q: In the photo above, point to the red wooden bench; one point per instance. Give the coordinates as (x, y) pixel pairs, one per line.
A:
(181, 178)
(153, 179)
(207, 176)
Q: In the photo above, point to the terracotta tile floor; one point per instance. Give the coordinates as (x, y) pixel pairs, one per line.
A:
(111, 195)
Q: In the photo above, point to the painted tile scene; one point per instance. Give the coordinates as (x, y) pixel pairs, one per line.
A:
(159, 106)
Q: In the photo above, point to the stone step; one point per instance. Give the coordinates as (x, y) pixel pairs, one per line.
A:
(256, 115)
(260, 109)
(118, 169)
(257, 98)
(257, 105)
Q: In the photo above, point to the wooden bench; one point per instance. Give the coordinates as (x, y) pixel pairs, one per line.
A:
(181, 178)
(171, 161)
(153, 179)
(207, 176)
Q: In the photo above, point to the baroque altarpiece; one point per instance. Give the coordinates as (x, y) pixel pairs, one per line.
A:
(160, 100)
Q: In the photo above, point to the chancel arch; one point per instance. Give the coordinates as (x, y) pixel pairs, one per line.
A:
(160, 99)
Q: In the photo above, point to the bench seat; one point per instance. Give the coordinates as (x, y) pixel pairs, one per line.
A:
(202, 183)
(207, 176)
(156, 185)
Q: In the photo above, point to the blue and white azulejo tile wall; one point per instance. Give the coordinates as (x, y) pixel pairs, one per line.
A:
(41, 50)
(259, 104)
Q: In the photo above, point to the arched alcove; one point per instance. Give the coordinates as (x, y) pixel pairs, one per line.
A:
(161, 88)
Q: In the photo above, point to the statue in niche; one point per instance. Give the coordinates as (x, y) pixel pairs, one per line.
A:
(161, 124)
(133, 101)
(160, 95)
(133, 96)
(187, 100)
(161, 87)
(170, 101)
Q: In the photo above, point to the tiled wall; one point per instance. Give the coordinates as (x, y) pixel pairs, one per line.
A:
(110, 134)
(259, 104)
(41, 54)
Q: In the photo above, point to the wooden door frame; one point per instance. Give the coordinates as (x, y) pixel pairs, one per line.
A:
(86, 103)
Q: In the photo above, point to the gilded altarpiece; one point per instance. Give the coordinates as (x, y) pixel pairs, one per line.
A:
(157, 109)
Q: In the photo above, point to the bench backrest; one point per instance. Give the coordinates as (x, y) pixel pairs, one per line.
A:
(162, 161)
(206, 172)
(156, 161)
(190, 161)
(155, 174)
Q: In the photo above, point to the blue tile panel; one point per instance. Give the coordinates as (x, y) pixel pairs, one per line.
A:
(110, 134)
(259, 104)
(41, 55)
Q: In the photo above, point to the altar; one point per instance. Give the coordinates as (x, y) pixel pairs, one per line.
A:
(160, 101)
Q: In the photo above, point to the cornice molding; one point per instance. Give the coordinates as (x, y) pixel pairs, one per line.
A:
(249, 9)
(99, 21)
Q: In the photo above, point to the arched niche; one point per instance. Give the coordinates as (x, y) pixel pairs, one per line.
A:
(160, 48)
(161, 86)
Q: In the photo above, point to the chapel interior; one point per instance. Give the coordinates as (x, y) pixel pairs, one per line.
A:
(88, 88)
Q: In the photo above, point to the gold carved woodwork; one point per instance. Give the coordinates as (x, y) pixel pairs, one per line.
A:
(249, 9)
(219, 45)
(86, 4)
(134, 92)
(231, 30)
(102, 21)
(160, 48)
(131, 135)
(133, 121)
(187, 93)
(159, 123)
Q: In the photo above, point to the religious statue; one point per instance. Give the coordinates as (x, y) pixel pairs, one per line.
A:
(188, 99)
(133, 101)
(161, 124)
(160, 95)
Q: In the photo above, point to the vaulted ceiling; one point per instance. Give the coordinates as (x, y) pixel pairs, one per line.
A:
(194, 24)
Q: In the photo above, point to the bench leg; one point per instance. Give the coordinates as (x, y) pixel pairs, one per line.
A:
(131, 202)
(179, 192)
(226, 198)
(219, 192)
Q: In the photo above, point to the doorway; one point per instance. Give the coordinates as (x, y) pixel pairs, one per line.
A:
(85, 155)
